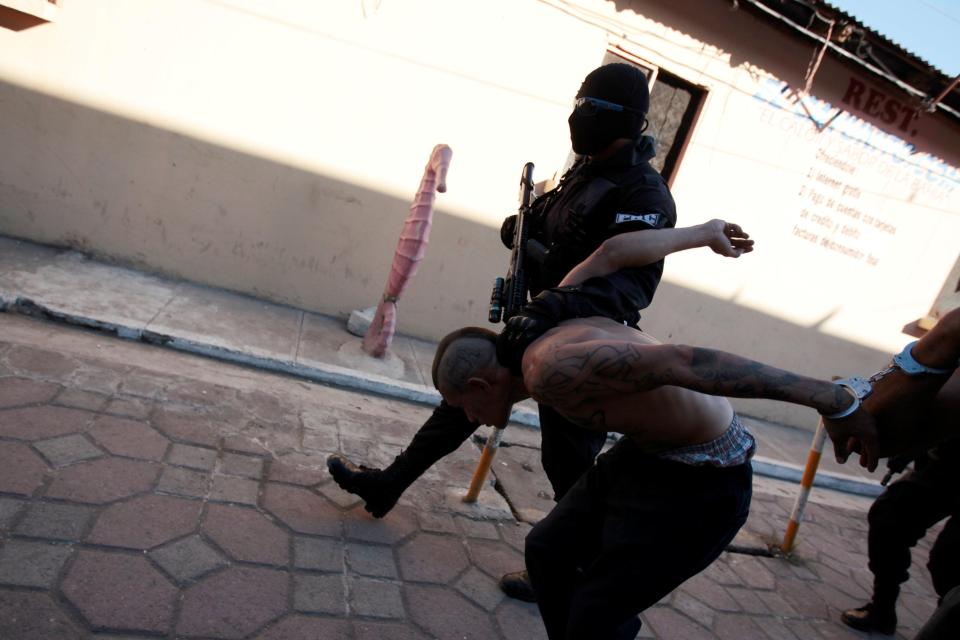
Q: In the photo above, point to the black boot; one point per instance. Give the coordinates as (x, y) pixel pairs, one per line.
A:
(445, 430)
(870, 617)
(517, 586)
(379, 488)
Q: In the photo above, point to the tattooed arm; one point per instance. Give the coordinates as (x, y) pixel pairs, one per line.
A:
(565, 374)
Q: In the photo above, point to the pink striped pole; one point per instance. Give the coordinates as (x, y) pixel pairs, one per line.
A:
(411, 248)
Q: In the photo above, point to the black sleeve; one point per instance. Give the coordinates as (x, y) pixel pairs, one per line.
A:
(620, 295)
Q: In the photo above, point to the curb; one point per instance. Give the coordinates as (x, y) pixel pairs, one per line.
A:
(353, 380)
(779, 470)
(326, 373)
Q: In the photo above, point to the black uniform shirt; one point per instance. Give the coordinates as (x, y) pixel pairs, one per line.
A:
(594, 201)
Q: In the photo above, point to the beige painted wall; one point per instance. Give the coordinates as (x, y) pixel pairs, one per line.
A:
(273, 148)
(758, 159)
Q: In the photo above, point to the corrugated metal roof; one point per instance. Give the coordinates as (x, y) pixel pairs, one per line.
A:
(881, 37)
(858, 42)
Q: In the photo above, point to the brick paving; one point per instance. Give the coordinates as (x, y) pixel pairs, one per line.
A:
(146, 494)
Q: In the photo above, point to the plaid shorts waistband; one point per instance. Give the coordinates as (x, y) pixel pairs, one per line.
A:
(735, 446)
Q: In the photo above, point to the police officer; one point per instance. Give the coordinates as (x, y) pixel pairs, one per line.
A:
(610, 189)
(898, 519)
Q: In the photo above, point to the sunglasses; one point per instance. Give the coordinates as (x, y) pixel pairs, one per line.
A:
(593, 106)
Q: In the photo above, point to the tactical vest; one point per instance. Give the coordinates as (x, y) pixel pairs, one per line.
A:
(567, 223)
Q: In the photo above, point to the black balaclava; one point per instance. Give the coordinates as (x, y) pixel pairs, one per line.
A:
(622, 84)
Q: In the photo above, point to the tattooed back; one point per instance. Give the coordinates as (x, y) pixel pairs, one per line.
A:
(604, 375)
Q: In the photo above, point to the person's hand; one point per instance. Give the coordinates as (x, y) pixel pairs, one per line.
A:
(539, 316)
(857, 433)
(521, 330)
(727, 238)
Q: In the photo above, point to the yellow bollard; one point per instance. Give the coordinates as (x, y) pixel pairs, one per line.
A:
(806, 483)
(483, 467)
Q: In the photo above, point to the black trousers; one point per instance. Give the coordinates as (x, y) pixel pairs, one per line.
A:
(566, 450)
(631, 530)
(902, 515)
(944, 624)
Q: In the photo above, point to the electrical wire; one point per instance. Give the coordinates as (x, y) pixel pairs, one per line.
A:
(873, 68)
(864, 56)
(583, 14)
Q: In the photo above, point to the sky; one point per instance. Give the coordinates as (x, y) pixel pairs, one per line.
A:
(927, 28)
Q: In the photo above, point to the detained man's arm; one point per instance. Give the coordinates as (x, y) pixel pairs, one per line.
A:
(640, 248)
(565, 374)
(598, 368)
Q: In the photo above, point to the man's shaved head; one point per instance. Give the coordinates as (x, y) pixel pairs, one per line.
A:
(462, 355)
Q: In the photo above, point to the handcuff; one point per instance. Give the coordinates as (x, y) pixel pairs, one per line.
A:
(861, 388)
(909, 365)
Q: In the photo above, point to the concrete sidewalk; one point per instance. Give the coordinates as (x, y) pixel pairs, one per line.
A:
(67, 286)
(146, 493)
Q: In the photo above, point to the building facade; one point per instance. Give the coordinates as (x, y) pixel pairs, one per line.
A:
(273, 149)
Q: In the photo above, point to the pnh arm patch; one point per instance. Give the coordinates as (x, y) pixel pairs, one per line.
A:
(652, 219)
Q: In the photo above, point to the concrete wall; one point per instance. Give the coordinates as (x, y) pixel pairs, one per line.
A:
(885, 200)
(273, 148)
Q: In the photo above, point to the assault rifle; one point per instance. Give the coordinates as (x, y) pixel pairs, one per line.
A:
(510, 295)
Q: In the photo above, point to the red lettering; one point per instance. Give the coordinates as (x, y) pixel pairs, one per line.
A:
(872, 108)
(854, 92)
(890, 111)
(908, 115)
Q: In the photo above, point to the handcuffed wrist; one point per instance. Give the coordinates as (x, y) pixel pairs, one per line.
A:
(909, 365)
(859, 389)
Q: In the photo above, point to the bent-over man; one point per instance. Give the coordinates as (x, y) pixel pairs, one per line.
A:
(611, 189)
(663, 502)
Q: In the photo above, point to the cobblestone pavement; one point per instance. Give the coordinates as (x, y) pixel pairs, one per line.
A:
(146, 494)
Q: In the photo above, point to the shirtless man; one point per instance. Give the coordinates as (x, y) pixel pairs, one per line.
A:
(663, 503)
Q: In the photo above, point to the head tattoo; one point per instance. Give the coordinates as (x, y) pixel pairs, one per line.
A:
(463, 354)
